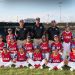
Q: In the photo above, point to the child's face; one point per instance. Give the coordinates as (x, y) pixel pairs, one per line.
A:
(56, 39)
(73, 50)
(12, 40)
(21, 50)
(28, 40)
(37, 50)
(67, 29)
(1, 39)
(44, 40)
(55, 52)
(74, 39)
(5, 50)
(10, 32)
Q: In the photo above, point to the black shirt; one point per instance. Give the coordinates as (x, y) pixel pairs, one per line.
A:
(38, 31)
(21, 33)
(53, 31)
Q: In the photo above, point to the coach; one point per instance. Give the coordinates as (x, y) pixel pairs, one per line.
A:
(21, 33)
(38, 31)
(53, 30)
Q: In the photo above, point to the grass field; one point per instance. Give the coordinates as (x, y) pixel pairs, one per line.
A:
(27, 71)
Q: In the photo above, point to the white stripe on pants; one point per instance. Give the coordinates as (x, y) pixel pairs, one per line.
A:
(66, 49)
(6, 64)
(33, 63)
(24, 63)
(37, 62)
(71, 64)
(58, 65)
(0, 59)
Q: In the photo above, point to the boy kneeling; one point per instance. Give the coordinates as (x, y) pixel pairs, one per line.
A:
(37, 61)
(6, 58)
(55, 61)
(21, 58)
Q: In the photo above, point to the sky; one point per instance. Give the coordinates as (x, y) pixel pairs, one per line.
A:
(47, 10)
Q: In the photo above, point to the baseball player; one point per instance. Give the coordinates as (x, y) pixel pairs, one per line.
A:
(57, 44)
(21, 58)
(45, 47)
(6, 58)
(67, 38)
(71, 62)
(10, 34)
(1, 45)
(37, 61)
(29, 47)
(55, 61)
(12, 46)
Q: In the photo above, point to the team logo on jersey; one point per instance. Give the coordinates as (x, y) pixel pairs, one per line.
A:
(58, 47)
(29, 48)
(67, 37)
(44, 47)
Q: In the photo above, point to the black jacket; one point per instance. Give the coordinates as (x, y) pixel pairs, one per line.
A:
(38, 31)
(21, 33)
(53, 31)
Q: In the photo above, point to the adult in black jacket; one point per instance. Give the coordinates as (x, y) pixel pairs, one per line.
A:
(38, 31)
(53, 30)
(21, 32)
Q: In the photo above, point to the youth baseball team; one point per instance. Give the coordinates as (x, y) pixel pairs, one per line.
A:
(40, 51)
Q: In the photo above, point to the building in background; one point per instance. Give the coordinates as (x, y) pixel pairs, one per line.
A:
(29, 20)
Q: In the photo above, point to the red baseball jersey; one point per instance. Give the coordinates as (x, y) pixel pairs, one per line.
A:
(58, 45)
(28, 47)
(6, 57)
(37, 56)
(21, 57)
(13, 48)
(1, 46)
(55, 58)
(8, 38)
(45, 47)
(67, 36)
(72, 56)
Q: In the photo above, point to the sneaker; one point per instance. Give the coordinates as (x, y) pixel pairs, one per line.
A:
(71, 69)
(21, 66)
(16, 67)
(61, 69)
(31, 67)
(41, 67)
(55, 68)
(37, 66)
(2, 66)
(10, 66)
(50, 69)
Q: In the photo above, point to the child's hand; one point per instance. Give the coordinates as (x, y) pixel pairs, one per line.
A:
(14, 60)
(66, 61)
